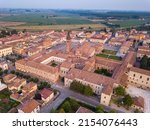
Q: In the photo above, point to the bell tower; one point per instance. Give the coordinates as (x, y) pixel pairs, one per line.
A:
(68, 43)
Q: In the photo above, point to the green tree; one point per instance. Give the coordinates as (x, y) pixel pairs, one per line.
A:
(13, 72)
(120, 91)
(144, 62)
(88, 91)
(53, 110)
(77, 86)
(67, 107)
(14, 31)
(127, 100)
(5, 71)
(38, 96)
(99, 109)
(112, 111)
(35, 80)
(1, 73)
(61, 110)
(74, 104)
(80, 88)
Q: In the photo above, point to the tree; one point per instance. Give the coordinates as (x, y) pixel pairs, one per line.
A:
(55, 91)
(17, 73)
(35, 80)
(83, 89)
(24, 30)
(74, 104)
(88, 91)
(67, 107)
(99, 109)
(38, 96)
(120, 91)
(127, 100)
(5, 71)
(13, 72)
(144, 62)
(77, 86)
(1, 73)
(14, 31)
(61, 110)
(112, 111)
(53, 110)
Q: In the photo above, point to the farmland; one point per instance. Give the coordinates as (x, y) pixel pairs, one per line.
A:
(43, 19)
(58, 27)
(129, 23)
(7, 24)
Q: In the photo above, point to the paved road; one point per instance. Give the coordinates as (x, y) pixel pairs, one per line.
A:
(64, 93)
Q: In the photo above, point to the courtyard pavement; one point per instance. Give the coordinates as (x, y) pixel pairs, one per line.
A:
(134, 91)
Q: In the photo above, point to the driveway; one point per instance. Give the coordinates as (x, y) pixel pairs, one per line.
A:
(134, 91)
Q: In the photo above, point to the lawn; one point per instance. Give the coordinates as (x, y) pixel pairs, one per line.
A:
(5, 102)
(109, 56)
(111, 52)
(103, 72)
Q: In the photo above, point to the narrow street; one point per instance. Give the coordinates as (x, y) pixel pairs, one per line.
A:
(64, 93)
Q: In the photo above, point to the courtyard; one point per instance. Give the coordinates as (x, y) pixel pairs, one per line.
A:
(134, 91)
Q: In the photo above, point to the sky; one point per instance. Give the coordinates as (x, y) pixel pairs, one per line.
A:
(135, 5)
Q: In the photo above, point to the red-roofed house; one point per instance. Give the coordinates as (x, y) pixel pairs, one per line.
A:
(47, 95)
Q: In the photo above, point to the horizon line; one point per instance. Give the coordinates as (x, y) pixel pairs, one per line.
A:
(77, 9)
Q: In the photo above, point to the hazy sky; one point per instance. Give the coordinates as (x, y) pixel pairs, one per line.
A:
(143, 5)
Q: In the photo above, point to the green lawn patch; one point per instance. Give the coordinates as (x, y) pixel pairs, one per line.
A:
(111, 52)
(103, 72)
(109, 56)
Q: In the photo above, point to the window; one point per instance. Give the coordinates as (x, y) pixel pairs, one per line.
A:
(140, 77)
(147, 79)
(134, 75)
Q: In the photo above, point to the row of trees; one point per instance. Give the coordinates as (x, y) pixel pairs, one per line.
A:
(42, 84)
(3, 71)
(5, 33)
(80, 88)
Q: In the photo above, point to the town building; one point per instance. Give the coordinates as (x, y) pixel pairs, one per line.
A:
(139, 77)
(95, 81)
(9, 78)
(47, 95)
(5, 50)
(138, 103)
(2, 86)
(29, 106)
(4, 65)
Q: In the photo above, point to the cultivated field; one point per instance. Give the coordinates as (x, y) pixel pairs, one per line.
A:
(129, 23)
(59, 27)
(7, 24)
